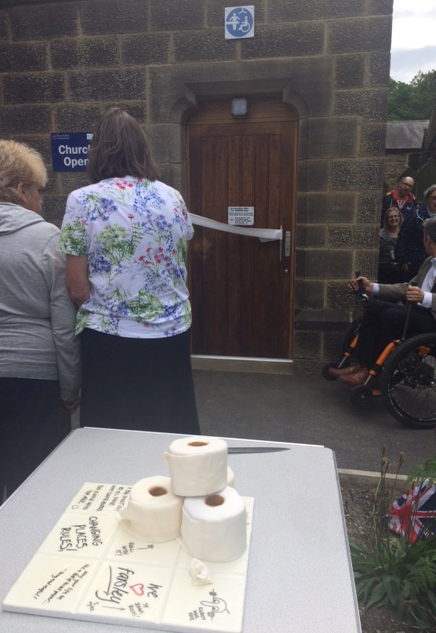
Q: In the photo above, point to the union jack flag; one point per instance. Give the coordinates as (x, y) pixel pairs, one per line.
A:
(414, 514)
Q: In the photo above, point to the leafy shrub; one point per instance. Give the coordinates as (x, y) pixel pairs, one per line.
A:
(394, 571)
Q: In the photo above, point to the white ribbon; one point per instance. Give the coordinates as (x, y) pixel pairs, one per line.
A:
(265, 235)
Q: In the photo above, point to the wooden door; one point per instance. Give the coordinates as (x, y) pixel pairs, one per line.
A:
(241, 288)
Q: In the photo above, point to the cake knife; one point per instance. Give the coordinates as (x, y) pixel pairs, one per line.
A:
(256, 449)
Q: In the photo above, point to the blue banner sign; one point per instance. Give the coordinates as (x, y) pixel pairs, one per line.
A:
(69, 152)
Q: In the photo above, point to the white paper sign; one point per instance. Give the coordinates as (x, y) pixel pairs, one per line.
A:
(241, 216)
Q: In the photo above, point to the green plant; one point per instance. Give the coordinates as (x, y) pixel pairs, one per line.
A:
(395, 571)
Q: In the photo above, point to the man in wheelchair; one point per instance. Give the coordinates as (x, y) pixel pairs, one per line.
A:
(384, 317)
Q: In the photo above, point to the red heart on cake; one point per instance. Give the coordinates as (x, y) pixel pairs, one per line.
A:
(138, 589)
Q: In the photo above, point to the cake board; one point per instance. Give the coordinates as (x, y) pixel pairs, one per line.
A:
(89, 568)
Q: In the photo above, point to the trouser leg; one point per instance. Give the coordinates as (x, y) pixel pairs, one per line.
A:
(383, 322)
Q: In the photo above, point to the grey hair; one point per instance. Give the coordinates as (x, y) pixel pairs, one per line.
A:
(429, 191)
(430, 227)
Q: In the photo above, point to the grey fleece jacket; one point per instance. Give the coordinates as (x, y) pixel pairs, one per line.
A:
(37, 317)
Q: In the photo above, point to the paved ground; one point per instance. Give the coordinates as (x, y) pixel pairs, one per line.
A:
(306, 410)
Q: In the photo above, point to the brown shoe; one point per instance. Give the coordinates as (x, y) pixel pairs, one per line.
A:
(343, 371)
(356, 379)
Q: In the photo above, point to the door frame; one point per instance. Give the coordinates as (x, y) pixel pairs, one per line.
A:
(263, 108)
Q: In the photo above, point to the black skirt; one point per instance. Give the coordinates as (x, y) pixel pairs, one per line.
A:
(138, 384)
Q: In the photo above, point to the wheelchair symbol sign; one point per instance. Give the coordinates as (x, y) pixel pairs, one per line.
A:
(239, 22)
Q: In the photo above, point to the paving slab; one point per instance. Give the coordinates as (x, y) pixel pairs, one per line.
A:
(287, 408)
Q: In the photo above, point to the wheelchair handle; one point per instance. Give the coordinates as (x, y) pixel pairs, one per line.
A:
(360, 288)
(406, 322)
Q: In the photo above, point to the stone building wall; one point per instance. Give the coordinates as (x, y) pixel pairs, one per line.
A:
(63, 63)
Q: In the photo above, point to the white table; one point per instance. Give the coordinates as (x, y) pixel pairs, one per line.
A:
(299, 577)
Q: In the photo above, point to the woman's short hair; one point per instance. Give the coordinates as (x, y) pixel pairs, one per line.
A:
(119, 148)
(19, 163)
(385, 220)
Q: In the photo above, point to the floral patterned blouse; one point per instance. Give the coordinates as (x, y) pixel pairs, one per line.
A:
(133, 232)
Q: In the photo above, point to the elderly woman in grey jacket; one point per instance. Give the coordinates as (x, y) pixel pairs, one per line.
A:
(39, 352)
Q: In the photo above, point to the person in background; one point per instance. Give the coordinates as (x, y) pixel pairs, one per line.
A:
(384, 317)
(125, 237)
(389, 271)
(39, 352)
(409, 249)
(402, 198)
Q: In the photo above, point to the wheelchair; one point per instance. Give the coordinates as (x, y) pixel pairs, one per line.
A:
(406, 369)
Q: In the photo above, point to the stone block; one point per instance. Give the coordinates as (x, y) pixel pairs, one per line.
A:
(33, 88)
(90, 52)
(380, 7)
(54, 209)
(173, 175)
(102, 85)
(379, 69)
(102, 17)
(311, 236)
(136, 109)
(353, 175)
(40, 142)
(165, 142)
(25, 119)
(359, 35)
(323, 263)
(45, 22)
(70, 181)
(349, 71)
(313, 175)
(332, 345)
(339, 296)
(175, 15)
(307, 344)
(215, 13)
(333, 137)
(353, 236)
(4, 26)
(373, 139)
(23, 57)
(367, 262)
(309, 294)
(76, 118)
(191, 46)
(285, 11)
(326, 208)
(293, 40)
(144, 49)
(369, 104)
(369, 207)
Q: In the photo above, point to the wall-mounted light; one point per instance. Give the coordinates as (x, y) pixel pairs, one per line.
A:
(239, 108)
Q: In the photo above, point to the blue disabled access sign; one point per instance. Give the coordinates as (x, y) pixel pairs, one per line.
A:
(69, 151)
(239, 22)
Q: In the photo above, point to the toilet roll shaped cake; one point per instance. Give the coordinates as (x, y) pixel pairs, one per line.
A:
(198, 466)
(153, 513)
(214, 527)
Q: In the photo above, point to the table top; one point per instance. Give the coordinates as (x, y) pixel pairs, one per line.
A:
(299, 576)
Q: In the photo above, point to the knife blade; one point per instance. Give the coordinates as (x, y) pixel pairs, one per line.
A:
(256, 449)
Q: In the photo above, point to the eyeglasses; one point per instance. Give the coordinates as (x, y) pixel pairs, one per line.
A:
(406, 184)
(432, 198)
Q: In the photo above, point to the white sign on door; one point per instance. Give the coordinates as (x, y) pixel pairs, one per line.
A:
(241, 216)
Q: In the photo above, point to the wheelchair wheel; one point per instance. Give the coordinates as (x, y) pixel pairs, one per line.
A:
(408, 382)
(360, 395)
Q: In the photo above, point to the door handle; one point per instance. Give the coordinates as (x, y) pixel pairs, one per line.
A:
(287, 243)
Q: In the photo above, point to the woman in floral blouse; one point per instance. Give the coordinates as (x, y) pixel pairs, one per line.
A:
(125, 237)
